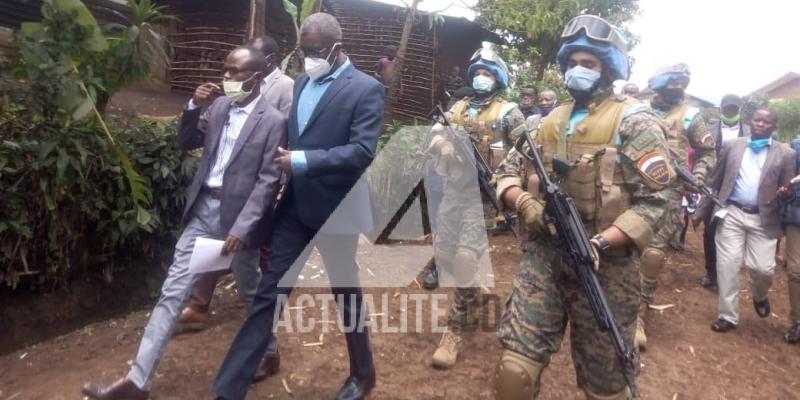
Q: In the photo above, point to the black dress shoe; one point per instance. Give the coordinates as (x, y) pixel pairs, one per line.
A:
(722, 325)
(431, 280)
(762, 308)
(792, 336)
(270, 365)
(708, 282)
(123, 389)
(356, 388)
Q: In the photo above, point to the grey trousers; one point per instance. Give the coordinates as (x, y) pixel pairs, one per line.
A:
(741, 239)
(204, 223)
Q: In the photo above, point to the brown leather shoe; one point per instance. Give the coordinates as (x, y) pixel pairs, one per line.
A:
(191, 320)
(270, 365)
(123, 389)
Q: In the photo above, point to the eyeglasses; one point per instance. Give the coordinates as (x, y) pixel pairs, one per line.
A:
(312, 53)
(324, 52)
(595, 28)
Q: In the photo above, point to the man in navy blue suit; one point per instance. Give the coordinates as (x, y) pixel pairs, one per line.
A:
(334, 125)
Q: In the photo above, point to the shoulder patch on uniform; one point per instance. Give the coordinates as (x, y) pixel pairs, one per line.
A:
(654, 166)
(642, 141)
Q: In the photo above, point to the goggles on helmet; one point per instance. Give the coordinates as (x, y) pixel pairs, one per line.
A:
(488, 55)
(595, 28)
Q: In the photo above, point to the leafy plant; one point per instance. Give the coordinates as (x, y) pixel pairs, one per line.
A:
(534, 27)
(66, 206)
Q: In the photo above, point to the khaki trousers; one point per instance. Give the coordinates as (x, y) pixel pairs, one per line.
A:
(793, 268)
(741, 239)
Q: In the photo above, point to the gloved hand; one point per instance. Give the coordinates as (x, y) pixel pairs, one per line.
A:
(596, 248)
(531, 211)
(445, 153)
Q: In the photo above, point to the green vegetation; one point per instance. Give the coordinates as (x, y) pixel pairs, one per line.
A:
(80, 192)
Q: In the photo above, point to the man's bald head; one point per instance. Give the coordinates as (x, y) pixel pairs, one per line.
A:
(266, 44)
(324, 25)
(247, 58)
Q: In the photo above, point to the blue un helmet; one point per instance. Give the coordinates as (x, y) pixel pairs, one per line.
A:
(665, 75)
(595, 35)
(490, 61)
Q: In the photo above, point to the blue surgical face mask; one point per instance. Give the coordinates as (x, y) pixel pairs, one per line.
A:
(758, 144)
(482, 84)
(581, 79)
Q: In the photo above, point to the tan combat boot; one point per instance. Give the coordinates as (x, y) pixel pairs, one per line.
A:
(641, 338)
(446, 354)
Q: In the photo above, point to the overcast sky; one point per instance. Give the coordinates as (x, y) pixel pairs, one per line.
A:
(730, 45)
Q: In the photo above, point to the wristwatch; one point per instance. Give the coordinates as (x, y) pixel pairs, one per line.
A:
(601, 243)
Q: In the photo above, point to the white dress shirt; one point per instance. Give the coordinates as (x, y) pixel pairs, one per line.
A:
(227, 140)
(745, 191)
(729, 132)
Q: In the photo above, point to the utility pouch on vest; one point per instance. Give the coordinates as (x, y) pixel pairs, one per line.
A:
(611, 201)
(580, 185)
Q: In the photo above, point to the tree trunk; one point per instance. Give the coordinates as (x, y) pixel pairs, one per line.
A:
(258, 17)
(397, 83)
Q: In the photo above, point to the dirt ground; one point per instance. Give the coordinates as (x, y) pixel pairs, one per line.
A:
(685, 359)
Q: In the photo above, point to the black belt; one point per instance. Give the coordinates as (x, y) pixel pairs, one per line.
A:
(746, 209)
(214, 193)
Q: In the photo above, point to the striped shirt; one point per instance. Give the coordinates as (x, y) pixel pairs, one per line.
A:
(230, 133)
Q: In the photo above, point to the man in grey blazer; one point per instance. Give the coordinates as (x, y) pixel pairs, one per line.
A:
(748, 175)
(231, 199)
(277, 89)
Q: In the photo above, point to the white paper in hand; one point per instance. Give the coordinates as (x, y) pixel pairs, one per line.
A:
(721, 213)
(207, 256)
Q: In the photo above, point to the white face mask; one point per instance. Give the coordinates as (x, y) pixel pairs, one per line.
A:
(318, 67)
(234, 91)
(482, 84)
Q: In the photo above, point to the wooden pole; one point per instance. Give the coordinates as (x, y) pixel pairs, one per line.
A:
(258, 17)
(397, 83)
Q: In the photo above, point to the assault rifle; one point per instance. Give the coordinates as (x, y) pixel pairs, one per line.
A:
(577, 252)
(687, 177)
(482, 167)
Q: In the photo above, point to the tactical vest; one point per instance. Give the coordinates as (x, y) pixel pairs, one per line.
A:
(677, 121)
(486, 126)
(596, 178)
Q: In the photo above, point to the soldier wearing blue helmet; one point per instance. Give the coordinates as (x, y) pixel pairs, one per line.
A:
(620, 168)
(460, 240)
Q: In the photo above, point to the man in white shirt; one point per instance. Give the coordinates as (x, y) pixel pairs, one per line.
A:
(748, 174)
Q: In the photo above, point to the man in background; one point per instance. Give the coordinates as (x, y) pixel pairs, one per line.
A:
(792, 222)
(630, 89)
(547, 101)
(527, 102)
(385, 67)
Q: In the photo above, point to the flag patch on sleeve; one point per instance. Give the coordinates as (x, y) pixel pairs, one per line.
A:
(654, 167)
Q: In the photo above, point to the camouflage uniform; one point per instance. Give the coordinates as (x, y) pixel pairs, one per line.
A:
(462, 222)
(685, 128)
(614, 184)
